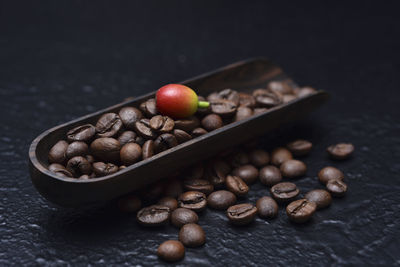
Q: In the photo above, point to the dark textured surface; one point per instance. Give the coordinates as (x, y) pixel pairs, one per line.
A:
(59, 61)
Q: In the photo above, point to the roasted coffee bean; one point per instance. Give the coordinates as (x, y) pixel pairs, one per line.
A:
(282, 87)
(152, 192)
(106, 149)
(130, 203)
(212, 122)
(181, 136)
(193, 200)
(192, 235)
(130, 115)
(293, 168)
(187, 125)
(239, 158)
(280, 155)
(301, 210)
(243, 113)
(330, 173)
(90, 159)
(78, 166)
(236, 186)
(270, 175)
(305, 91)
(173, 188)
(164, 142)
(241, 214)
(171, 251)
(247, 100)
(104, 169)
(149, 107)
(288, 97)
(267, 208)
(77, 148)
(162, 124)
(221, 200)
(154, 215)
(82, 133)
(259, 157)
(248, 173)
(320, 197)
(148, 149)
(200, 185)
(267, 98)
(284, 192)
(130, 153)
(230, 95)
(182, 216)
(127, 137)
(143, 128)
(259, 111)
(224, 108)
(340, 151)
(169, 202)
(336, 187)
(59, 169)
(140, 140)
(108, 125)
(217, 171)
(58, 153)
(299, 147)
(198, 131)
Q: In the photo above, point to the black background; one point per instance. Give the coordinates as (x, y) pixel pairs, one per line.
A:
(62, 59)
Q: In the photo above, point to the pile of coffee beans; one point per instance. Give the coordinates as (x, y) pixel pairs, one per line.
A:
(222, 183)
(116, 141)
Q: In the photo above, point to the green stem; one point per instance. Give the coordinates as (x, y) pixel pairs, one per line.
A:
(203, 104)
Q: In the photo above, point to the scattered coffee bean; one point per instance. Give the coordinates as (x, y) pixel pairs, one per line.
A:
(267, 208)
(108, 125)
(224, 108)
(200, 185)
(169, 202)
(284, 192)
(192, 235)
(248, 173)
(78, 166)
(104, 169)
(212, 122)
(149, 107)
(299, 147)
(164, 142)
(330, 173)
(127, 137)
(198, 132)
(293, 168)
(243, 113)
(270, 175)
(171, 251)
(336, 187)
(154, 215)
(59, 169)
(148, 149)
(58, 153)
(300, 211)
(259, 157)
(280, 155)
(181, 136)
(162, 124)
(267, 98)
(77, 148)
(230, 95)
(241, 214)
(340, 151)
(320, 197)
(182, 216)
(82, 133)
(129, 204)
(106, 149)
(143, 128)
(217, 171)
(193, 200)
(130, 115)
(130, 153)
(221, 200)
(236, 185)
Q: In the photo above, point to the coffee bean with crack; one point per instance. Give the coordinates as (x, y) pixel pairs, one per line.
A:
(164, 142)
(149, 107)
(143, 128)
(108, 125)
(162, 124)
(224, 108)
(82, 133)
(267, 98)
